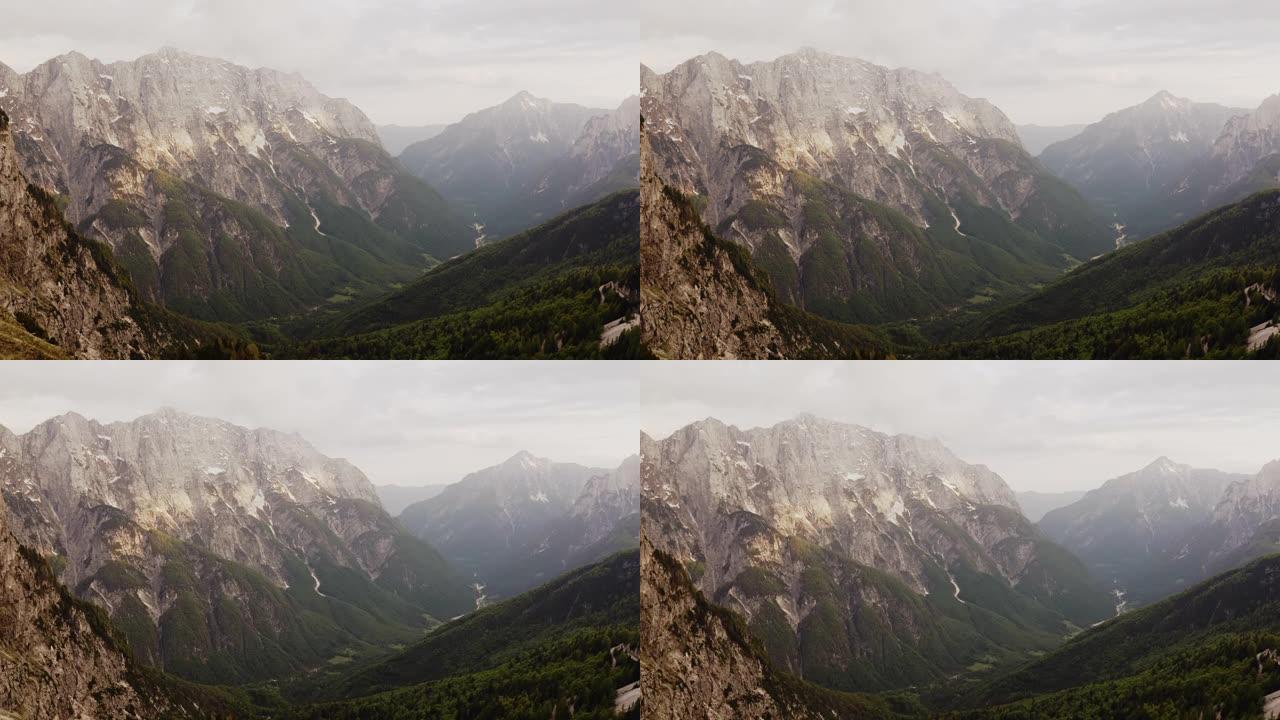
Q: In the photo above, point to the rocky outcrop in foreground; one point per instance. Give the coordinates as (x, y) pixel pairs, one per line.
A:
(59, 288)
(57, 656)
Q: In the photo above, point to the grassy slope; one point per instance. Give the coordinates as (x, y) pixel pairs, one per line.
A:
(1182, 629)
(565, 643)
(1178, 294)
(533, 295)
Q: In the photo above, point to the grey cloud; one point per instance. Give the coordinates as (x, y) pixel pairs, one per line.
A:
(407, 423)
(1044, 426)
(402, 62)
(1046, 61)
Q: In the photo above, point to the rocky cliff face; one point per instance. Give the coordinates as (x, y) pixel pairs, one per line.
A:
(696, 660)
(798, 527)
(171, 522)
(830, 168)
(189, 166)
(1132, 159)
(57, 656)
(1138, 519)
(694, 301)
(701, 297)
(514, 165)
(58, 286)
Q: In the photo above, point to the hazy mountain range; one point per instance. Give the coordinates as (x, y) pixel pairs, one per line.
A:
(854, 556)
(913, 219)
(523, 162)
(518, 524)
(246, 196)
(820, 569)
(176, 546)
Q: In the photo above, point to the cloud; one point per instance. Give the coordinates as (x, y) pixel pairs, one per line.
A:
(1041, 425)
(1041, 61)
(405, 62)
(407, 423)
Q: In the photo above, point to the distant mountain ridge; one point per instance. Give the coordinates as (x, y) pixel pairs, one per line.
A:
(1036, 504)
(1035, 138)
(529, 519)
(395, 138)
(528, 159)
(1139, 520)
(1133, 160)
(395, 498)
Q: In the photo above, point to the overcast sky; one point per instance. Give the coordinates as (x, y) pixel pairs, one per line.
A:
(411, 423)
(408, 62)
(1041, 425)
(1045, 62)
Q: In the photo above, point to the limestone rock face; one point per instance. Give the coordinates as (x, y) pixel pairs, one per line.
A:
(59, 286)
(695, 663)
(605, 500)
(1247, 505)
(800, 526)
(854, 184)
(694, 302)
(871, 495)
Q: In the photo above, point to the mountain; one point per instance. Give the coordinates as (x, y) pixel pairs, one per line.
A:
(224, 554)
(1035, 138)
(866, 194)
(395, 138)
(520, 523)
(1240, 524)
(566, 289)
(703, 297)
(1035, 504)
(227, 193)
(395, 498)
(567, 648)
(518, 164)
(1136, 521)
(861, 561)
(1208, 652)
(1135, 158)
(1205, 289)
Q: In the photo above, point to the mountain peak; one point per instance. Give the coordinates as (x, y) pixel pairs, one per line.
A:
(1164, 464)
(524, 458)
(524, 100)
(1166, 100)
